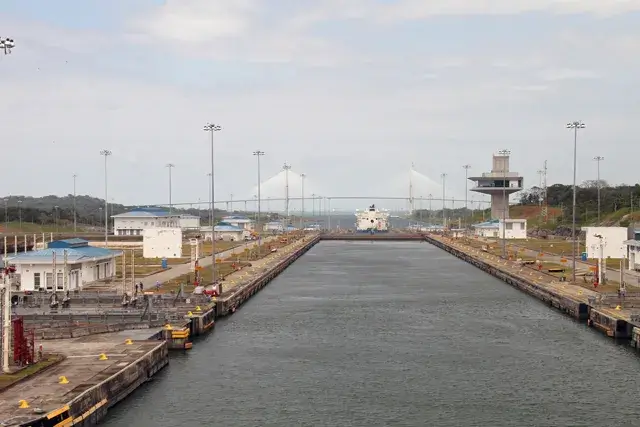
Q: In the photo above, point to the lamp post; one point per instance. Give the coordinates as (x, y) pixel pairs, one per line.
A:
(286, 168)
(6, 44)
(466, 190)
(170, 166)
(302, 177)
(598, 159)
(575, 126)
(210, 206)
(258, 154)
(75, 231)
(212, 128)
(444, 217)
(106, 153)
(600, 258)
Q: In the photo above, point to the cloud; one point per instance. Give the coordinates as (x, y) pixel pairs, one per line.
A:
(198, 21)
(329, 86)
(568, 74)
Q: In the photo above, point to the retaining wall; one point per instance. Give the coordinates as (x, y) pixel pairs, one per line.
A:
(91, 406)
(577, 309)
(240, 295)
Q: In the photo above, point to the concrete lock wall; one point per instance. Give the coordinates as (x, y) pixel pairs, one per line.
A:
(85, 409)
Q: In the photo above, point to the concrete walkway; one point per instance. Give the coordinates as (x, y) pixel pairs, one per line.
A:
(243, 276)
(548, 281)
(632, 278)
(181, 269)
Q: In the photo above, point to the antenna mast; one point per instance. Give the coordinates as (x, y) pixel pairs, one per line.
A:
(544, 212)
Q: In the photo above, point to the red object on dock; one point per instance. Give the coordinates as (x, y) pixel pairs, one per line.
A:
(23, 343)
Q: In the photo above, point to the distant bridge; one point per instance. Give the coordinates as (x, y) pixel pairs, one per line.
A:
(325, 198)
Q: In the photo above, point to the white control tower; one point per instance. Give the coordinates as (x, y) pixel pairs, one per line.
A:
(499, 183)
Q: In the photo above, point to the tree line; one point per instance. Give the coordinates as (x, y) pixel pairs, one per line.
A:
(618, 198)
(50, 210)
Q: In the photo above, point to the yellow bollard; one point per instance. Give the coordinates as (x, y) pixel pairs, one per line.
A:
(198, 308)
(618, 307)
(23, 404)
(128, 341)
(103, 357)
(63, 380)
(190, 314)
(168, 327)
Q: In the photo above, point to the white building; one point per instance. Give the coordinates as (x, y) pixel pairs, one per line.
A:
(189, 222)
(613, 242)
(46, 269)
(633, 252)
(134, 222)
(240, 222)
(225, 231)
(162, 243)
(515, 229)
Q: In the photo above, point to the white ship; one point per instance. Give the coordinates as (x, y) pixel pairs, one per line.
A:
(372, 221)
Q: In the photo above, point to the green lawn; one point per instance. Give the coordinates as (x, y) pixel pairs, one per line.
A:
(14, 227)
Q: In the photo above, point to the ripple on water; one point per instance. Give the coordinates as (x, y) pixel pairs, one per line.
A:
(396, 334)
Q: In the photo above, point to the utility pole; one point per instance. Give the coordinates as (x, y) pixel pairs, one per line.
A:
(286, 168)
(106, 153)
(598, 159)
(302, 177)
(210, 201)
(75, 231)
(444, 217)
(212, 128)
(466, 190)
(505, 201)
(411, 203)
(258, 154)
(170, 166)
(575, 126)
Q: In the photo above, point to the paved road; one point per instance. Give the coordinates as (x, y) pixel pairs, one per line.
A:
(181, 269)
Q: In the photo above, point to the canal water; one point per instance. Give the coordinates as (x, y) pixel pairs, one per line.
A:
(391, 334)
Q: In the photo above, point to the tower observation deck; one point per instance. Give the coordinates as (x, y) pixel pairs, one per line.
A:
(500, 183)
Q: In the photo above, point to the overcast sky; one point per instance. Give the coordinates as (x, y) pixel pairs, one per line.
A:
(349, 92)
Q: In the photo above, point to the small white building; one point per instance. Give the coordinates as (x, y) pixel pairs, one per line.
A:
(240, 221)
(162, 243)
(514, 229)
(226, 232)
(613, 242)
(46, 269)
(189, 222)
(633, 252)
(134, 222)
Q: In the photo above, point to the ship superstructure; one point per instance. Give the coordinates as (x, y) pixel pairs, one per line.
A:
(372, 220)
